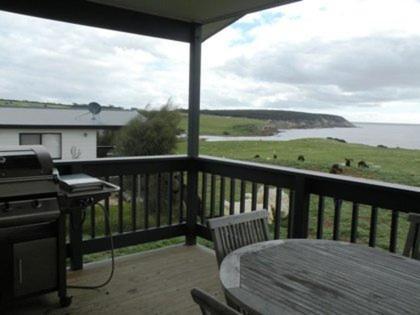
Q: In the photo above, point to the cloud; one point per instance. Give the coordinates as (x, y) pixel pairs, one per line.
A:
(356, 58)
(49, 61)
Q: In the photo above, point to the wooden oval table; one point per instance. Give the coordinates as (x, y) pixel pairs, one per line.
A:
(320, 277)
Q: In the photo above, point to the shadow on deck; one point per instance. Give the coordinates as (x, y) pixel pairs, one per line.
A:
(153, 282)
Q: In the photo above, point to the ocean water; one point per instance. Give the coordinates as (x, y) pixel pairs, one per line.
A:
(391, 135)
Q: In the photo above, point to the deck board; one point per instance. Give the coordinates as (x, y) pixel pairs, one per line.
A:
(153, 282)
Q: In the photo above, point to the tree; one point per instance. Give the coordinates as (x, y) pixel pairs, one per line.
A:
(152, 132)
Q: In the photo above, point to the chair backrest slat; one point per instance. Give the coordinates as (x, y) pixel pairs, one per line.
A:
(412, 244)
(209, 305)
(235, 231)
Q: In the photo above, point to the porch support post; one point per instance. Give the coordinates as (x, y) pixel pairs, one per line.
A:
(300, 210)
(194, 92)
(193, 133)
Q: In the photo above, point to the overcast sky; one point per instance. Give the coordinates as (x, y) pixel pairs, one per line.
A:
(356, 58)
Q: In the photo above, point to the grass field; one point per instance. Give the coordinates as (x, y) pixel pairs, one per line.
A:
(218, 125)
(391, 165)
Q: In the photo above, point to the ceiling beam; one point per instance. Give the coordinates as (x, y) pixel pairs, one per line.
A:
(102, 16)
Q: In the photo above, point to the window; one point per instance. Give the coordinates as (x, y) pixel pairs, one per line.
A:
(51, 141)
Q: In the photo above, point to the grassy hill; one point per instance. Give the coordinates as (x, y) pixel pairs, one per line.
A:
(286, 119)
(30, 104)
(260, 122)
(33, 104)
(232, 126)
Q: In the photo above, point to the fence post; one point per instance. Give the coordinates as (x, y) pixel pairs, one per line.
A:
(76, 238)
(300, 211)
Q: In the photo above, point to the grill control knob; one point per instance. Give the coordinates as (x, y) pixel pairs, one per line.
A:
(4, 207)
(36, 204)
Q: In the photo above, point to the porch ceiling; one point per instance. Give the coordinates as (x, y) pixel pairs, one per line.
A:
(171, 19)
(214, 15)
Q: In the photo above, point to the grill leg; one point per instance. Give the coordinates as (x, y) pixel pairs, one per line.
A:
(62, 274)
(76, 255)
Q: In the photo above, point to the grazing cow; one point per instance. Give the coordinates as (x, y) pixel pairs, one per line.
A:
(257, 156)
(336, 169)
(284, 211)
(274, 156)
(362, 164)
(348, 162)
(301, 158)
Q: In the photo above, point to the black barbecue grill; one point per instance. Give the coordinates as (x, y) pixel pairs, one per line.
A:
(32, 227)
(34, 201)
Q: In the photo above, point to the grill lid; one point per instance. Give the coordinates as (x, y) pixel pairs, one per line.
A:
(26, 172)
(24, 161)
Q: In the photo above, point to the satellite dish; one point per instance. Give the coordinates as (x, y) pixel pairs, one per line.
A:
(94, 108)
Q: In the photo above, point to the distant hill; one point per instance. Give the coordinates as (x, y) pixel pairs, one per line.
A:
(274, 119)
(286, 119)
(33, 104)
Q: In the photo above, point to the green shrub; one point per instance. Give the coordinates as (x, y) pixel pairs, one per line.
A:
(150, 133)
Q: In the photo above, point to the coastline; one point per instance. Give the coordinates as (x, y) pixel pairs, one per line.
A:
(398, 136)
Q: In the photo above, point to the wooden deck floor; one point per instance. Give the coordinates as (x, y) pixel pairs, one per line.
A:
(154, 282)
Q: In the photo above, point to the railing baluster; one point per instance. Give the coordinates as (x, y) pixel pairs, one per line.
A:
(181, 197)
(320, 218)
(146, 201)
(212, 195)
(242, 200)
(222, 196)
(92, 221)
(373, 226)
(277, 217)
(158, 198)
(394, 232)
(170, 197)
(232, 197)
(254, 196)
(265, 196)
(337, 219)
(291, 213)
(203, 197)
(107, 223)
(134, 203)
(120, 204)
(354, 222)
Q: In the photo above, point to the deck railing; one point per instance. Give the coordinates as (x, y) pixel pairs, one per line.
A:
(150, 205)
(168, 196)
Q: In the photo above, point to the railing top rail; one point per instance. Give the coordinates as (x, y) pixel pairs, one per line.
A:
(126, 165)
(359, 190)
(122, 160)
(314, 175)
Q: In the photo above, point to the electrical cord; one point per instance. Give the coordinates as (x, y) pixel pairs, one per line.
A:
(111, 241)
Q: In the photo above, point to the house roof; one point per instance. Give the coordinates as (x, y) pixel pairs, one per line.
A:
(12, 117)
(171, 19)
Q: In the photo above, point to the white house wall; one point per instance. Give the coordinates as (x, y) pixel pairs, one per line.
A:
(76, 143)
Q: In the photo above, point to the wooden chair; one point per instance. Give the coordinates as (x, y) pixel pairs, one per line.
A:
(209, 305)
(412, 244)
(235, 231)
